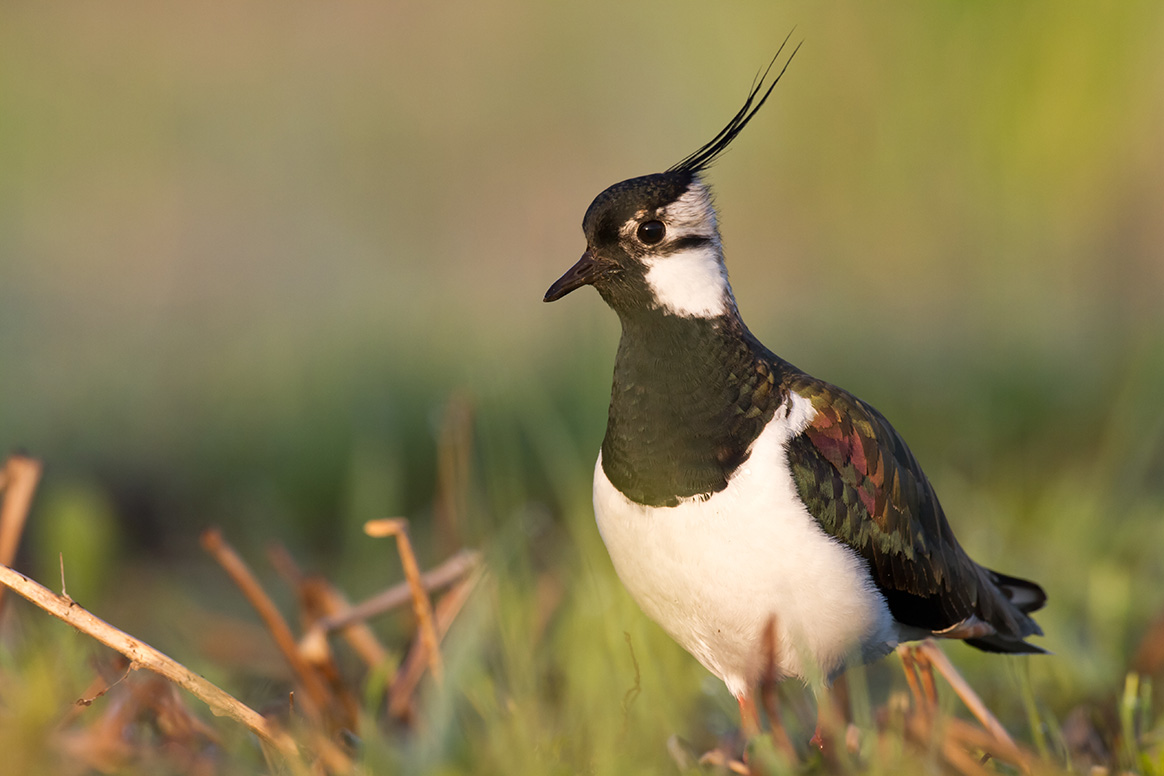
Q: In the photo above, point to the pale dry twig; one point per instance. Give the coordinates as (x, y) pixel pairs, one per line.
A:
(145, 656)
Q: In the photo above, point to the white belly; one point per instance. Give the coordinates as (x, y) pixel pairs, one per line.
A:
(714, 574)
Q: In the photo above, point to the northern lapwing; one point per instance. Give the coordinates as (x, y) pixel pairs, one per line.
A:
(773, 524)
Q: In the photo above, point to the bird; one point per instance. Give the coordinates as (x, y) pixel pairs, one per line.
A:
(775, 525)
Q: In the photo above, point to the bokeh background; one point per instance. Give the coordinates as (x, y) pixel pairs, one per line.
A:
(251, 254)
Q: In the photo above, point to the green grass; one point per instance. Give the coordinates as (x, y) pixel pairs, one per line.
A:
(552, 669)
(248, 258)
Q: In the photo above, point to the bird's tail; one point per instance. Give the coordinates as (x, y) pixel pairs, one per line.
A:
(1025, 597)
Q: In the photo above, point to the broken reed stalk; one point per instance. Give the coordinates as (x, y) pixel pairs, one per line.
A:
(961, 760)
(319, 698)
(421, 605)
(956, 737)
(319, 598)
(309, 593)
(145, 656)
(721, 762)
(18, 479)
(978, 738)
(359, 635)
(937, 658)
(410, 673)
(433, 580)
(920, 729)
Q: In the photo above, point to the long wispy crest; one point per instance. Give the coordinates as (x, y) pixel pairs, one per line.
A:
(702, 158)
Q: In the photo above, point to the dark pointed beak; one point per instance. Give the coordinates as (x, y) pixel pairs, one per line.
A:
(583, 273)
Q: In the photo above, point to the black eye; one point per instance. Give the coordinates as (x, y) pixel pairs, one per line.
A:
(651, 232)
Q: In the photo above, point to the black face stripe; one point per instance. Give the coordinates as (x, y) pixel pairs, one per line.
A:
(684, 243)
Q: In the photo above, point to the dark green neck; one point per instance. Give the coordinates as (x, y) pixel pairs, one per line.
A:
(690, 395)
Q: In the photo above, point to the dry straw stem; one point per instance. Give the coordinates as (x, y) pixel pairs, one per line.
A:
(318, 599)
(145, 656)
(359, 635)
(102, 744)
(977, 738)
(410, 673)
(720, 761)
(18, 480)
(309, 591)
(319, 698)
(398, 527)
(433, 580)
(1005, 746)
(956, 740)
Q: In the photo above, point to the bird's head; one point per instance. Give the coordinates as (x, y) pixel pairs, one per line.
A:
(653, 242)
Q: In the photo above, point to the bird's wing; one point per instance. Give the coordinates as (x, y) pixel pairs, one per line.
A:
(863, 485)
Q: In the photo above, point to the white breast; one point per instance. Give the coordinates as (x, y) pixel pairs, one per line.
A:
(715, 573)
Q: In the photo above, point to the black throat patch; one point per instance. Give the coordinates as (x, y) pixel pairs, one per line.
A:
(690, 396)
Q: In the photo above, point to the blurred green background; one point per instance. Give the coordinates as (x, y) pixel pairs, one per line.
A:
(250, 252)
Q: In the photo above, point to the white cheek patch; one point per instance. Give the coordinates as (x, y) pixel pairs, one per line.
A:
(691, 284)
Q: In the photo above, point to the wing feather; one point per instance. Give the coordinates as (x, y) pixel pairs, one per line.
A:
(865, 487)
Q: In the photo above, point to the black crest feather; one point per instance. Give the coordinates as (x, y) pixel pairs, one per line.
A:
(702, 158)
